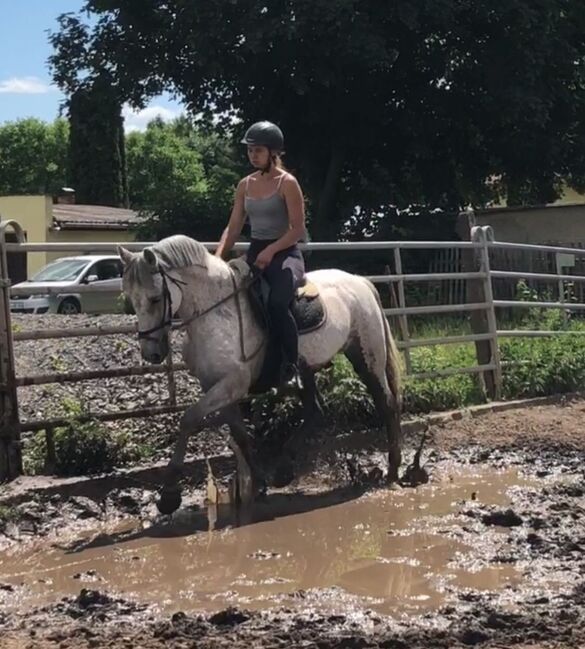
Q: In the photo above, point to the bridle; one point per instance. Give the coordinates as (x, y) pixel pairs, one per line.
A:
(167, 312)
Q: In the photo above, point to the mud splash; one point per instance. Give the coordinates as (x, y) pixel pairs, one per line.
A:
(392, 551)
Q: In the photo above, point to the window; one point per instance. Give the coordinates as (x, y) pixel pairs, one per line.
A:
(106, 269)
(60, 271)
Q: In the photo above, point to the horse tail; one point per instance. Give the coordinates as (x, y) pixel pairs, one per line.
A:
(393, 359)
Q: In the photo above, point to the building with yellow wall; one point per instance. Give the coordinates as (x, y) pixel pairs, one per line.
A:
(559, 223)
(44, 220)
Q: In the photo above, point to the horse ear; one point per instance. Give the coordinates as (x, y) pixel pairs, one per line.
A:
(150, 258)
(125, 255)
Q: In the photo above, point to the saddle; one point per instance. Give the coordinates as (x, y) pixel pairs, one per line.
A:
(307, 309)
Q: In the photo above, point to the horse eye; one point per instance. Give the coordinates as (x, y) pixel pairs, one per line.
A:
(154, 300)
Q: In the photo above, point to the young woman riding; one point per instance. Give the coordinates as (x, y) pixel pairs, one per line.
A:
(272, 200)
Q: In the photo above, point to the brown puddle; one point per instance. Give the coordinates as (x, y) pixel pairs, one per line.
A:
(392, 551)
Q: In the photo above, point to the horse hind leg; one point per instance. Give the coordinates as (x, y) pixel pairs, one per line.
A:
(313, 416)
(371, 367)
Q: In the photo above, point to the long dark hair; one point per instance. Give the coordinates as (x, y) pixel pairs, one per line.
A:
(278, 163)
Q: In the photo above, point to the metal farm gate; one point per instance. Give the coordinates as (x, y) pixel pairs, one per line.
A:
(461, 278)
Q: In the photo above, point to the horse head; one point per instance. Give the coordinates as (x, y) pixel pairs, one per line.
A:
(155, 297)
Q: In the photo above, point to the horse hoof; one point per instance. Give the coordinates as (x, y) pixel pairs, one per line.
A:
(413, 477)
(170, 501)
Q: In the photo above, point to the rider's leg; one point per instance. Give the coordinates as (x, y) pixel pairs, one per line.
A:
(284, 275)
(284, 326)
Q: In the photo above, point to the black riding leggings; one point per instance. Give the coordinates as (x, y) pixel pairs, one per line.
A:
(284, 275)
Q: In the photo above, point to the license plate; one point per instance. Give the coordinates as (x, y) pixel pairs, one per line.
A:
(17, 305)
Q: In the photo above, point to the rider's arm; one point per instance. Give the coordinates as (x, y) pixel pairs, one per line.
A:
(295, 205)
(235, 224)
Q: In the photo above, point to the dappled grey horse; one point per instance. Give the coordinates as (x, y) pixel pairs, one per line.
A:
(225, 344)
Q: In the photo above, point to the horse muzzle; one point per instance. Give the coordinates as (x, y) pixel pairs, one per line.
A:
(154, 351)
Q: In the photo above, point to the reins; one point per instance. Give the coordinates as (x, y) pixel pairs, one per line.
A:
(167, 310)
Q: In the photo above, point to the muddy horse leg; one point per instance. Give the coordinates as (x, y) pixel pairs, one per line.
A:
(312, 417)
(373, 373)
(249, 475)
(310, 397)
(219, 396)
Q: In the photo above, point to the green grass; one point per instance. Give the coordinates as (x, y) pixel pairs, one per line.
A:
(8, 514)
(425, 395)
(83, 447)
(531, 366)
(541, 366)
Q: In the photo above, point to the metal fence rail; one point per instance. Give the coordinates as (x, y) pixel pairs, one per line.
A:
(480, 305)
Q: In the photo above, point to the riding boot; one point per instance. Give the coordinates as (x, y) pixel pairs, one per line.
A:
(290, 375)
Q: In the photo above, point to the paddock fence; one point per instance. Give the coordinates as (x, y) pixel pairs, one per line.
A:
(462, 279)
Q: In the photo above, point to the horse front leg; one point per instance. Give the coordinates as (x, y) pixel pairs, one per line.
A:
(249, 476)
(224, 393)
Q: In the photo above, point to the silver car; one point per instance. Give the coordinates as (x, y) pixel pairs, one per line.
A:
(53, 288)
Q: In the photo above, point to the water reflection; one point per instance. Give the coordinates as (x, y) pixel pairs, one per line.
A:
(391, 547)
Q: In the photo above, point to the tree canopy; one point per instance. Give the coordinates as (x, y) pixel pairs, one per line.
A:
(433, 102)
(33, 156)
(96, 154)
(182, 178)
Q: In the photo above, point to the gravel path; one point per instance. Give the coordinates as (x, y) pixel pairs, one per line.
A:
(34, 357)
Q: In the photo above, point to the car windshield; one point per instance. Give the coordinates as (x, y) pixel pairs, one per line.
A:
(60, 271)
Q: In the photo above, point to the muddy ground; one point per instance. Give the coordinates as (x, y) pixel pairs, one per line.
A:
(537, 531)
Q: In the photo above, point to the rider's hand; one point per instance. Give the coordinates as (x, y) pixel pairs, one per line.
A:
(264, 258)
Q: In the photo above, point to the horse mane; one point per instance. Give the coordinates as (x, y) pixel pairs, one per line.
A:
(180, 251)
(176, 251)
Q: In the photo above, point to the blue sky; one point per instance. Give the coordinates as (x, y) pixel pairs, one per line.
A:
(25, 84)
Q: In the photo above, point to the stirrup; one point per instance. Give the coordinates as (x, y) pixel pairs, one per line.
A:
(290, 375)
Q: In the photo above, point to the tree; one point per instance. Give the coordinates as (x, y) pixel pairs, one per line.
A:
(182, 178)
(414, 101)
(33, 156)
(97, 158)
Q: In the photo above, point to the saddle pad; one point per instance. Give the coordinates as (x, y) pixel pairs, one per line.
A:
(308, 290)
(307, 308)
(308, 312)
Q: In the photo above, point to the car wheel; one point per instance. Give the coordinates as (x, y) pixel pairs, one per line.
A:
(69, 306)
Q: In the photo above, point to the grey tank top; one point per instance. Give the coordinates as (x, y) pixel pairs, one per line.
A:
(268, 216)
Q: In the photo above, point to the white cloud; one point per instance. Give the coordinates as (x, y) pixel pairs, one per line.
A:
(137, 120)
(24, 86)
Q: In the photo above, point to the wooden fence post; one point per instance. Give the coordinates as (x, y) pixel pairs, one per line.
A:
(484, 321)
(480, 290)
(10, 451)
(487, 235)
(473, 290)
(402, 319)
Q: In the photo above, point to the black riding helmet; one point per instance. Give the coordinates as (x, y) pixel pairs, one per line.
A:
(265, 134)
